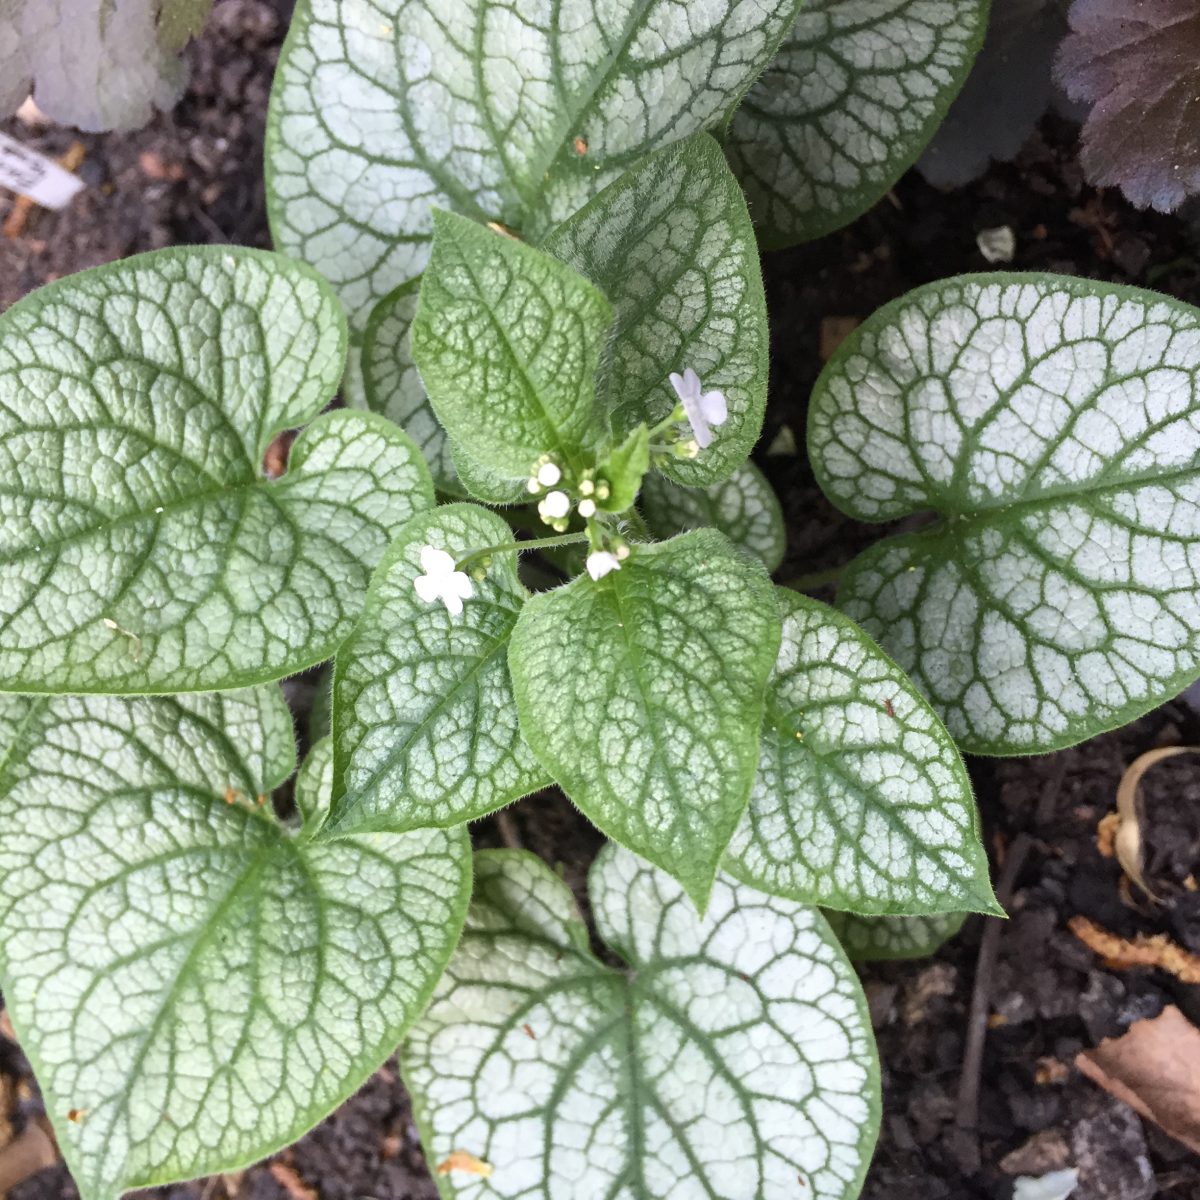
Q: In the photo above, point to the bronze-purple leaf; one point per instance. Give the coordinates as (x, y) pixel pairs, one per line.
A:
(1137, 62)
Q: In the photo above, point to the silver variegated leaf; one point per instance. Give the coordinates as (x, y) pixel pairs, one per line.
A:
(730, 1055)
(142, 547)
(642, 694)
(1053, 424)
(385, 109)
(861, 801)
(885, 939)
(195, 985)
(424, 721)
(672, 246)
(854, 95)
(743, 507)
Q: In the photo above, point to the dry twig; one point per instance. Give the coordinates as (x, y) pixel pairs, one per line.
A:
(985, 968)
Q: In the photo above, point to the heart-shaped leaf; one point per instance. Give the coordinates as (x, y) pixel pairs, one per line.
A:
(672, 246)
(743, 507)
(861, 801)
(855, 93)
(424, 721)
(194, 985)
(732, 1057)
(381, 113)
(642, 694)
(507, 340)
(885, 939)
(1054, 425)
(142, 548)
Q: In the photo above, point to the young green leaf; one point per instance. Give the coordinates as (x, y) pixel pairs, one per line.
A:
(392, 384)
(861, 801)
(195, 986)
(1054, 424)
(743, 507)
(883, 939)
(624, 470)
(424, 722)
(507, 340)
(856, 92)
(672, 246)
(733, 1056)
(642, 694)
(384, 110)
(142, 547)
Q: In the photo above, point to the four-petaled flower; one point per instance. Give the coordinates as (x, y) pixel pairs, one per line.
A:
(441, 581)
(702, 409)
(601, 562)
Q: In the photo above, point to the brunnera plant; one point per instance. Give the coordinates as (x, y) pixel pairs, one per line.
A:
(198, 975)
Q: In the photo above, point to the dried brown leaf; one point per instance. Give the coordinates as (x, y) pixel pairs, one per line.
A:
(31, 1151)
(1127, 842)
(290, 1181)
(460, 1160)
(1154, 1067)
(1142, 951)
(1137, 62)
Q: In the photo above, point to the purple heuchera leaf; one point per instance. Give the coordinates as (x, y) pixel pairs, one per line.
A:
(1138, 63)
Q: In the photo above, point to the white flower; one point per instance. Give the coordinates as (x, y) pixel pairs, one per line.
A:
(441, 581)
(548, 474)
(554, 506)
(702, 409)
(601, 562)
(587, 508)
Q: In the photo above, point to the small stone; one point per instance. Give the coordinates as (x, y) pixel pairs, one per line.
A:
(934, 982)
(1109, 1148)
(881, 1002)
(783, 445)
(834, 331)
(997, 245)
(1045, 1151)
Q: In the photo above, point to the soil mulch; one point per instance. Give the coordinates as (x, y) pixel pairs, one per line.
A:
(194, 175)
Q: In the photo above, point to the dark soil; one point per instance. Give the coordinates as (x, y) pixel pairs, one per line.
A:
(194, 176)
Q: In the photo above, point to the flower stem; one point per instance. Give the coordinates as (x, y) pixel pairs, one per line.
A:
(564, 539)
(672, 418)
(814, 580)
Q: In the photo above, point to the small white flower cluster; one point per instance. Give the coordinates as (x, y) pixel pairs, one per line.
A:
(443, 581)
(555, 506)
